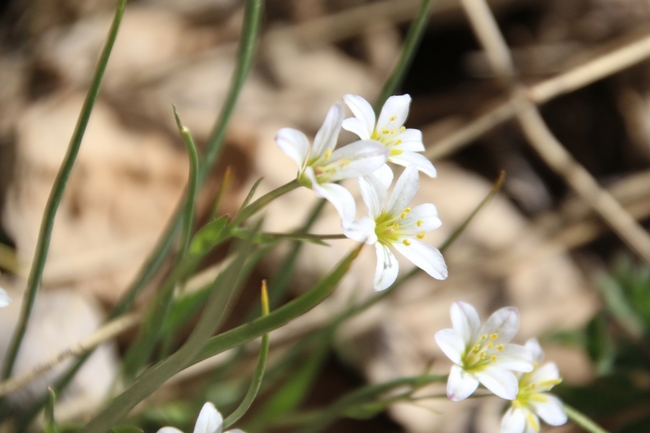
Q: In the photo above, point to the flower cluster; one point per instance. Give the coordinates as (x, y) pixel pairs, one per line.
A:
(391, 223)
(483, 354)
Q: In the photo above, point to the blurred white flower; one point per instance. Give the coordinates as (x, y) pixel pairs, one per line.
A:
(320, 165)
(393, 224)
(482, 353)
(389, 130)
(209, 421)
(533, 401)
(4, 298)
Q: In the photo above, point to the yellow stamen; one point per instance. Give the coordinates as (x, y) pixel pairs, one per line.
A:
(395, 225)
(419, 223)
(490, 345)
(398, 142)
(494, 336)
(402, 129)
(406, 242)
(493, 358)
(483, 355)
(328, 153)
(420, 235)
(483, 337)
(391, 118)
(476, 347)
(532, 421)
(405, 211)
(385, 131)
(500, 347)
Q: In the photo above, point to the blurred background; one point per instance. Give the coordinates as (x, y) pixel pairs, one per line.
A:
(537, 246)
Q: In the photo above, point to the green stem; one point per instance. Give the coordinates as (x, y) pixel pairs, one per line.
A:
(411, 43)
(262, 202)
(583, 420)
(302, 236)
(45, 235)
(192, 184)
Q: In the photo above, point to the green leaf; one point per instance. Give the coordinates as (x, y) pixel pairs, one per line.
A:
(599, 344)
(365, 411)
(210, 235)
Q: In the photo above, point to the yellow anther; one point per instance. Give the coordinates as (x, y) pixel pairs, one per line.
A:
(420, 235)
(419, 223)
(494, 336)
(395, 152)
(395, 225)
(328, 153)
(483, 355)
(500, 347)
(476, 347)
(405, 211)
(483, 337)
(493, 358)
(490, 345)
(406, 242)
(385, 131)
(402, 129)
(391, 118)
(398, 142)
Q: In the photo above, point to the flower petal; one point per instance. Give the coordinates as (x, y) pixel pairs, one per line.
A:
(363, 111)
(451, 343)
(387, 267)
(294, 144)
(423, 217)
(405, 189)
(460, 384)
(362, 230)
(501, 382)
(425, 257)
(465, 320)
(394, 112)
(412, 158)
(328, 134)
(385, 175)
(5, 299)
(169, 430)
(337, 195)
(373, 194)
(535, 349)
(356, 126)
(356, 159)
(551, 411)
(546, 373)
(505, 322)
(514, 421)
(209, 420)
(411, 140)
(515, 357)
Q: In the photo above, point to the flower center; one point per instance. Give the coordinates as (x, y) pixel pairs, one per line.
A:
(483, 353)
(387, 227)
(388, 137)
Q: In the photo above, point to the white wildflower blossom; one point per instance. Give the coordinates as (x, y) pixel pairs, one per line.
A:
(393, 224)
(320, 166)
(533, 400)
(483, 353)
(209, 421)
(4, 298)
(389, 130)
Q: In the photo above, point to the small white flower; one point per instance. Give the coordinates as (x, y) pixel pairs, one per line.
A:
(393, 224)
(389, 130)
(209, 421)
(482, 353)
(533, 401)
(4, 298)
(320, 166)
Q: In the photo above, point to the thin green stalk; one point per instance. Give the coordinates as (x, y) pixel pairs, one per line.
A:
(262, 202)
(259, 370)
(225, 285)
(45, 234)
(411, 43)
(192, 184)
(583, 420)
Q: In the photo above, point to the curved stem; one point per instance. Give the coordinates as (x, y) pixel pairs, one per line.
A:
(583, 420)
(45, 235)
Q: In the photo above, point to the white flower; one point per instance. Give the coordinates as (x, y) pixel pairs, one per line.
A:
(394, 224)
(320, 165)
(209, 421)
(482, 353)
(533, 401)
(389, 130)
(4, 298)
